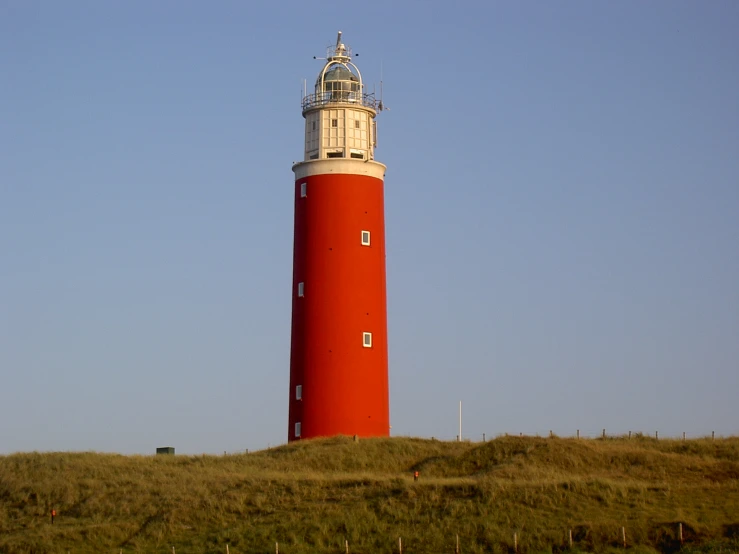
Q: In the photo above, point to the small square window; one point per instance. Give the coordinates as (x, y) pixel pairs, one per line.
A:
(299, 392)
(334, 123)
(367, 340)
(301, 289)
(297, 429)
(365, 238)
(303, 190)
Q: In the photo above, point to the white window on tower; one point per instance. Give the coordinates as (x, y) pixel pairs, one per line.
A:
(367, 340)
(299, 392)
(303, 190)
(365, 238)
(297, 429)
(301, 289)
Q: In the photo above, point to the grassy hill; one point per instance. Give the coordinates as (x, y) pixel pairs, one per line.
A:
(311, 496)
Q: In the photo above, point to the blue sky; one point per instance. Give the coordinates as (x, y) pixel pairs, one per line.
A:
(562, 207)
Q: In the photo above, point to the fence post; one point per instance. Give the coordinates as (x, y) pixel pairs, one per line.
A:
(346, 545)
(457, 549)
(578, 434)
(656, 435)
(680, 532)
(604, 433)
(483, 437)
(570, 538)
(713, 435)
(227, 552)
(551, 435)
(515, 542)
(277, 548)
(623, 535)
(629, 434)
(400, 545)
(683, 436)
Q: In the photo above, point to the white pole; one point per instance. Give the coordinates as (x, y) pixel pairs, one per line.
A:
(460, 421)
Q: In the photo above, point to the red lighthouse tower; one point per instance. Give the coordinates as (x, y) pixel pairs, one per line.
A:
(338, 352)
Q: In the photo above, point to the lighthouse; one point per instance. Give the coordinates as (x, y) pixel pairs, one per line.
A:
(338, 349)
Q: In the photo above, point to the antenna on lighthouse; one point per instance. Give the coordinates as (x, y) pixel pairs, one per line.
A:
(380, 105)
(340, 52)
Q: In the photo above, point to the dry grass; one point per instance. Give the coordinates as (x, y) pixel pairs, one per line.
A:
(312, 495)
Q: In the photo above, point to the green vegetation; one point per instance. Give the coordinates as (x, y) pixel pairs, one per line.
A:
(311, 496)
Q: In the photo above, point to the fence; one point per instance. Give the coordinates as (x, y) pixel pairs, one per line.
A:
(578, 434)
(516, 543)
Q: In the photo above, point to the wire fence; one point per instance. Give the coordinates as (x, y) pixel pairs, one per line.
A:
(584, 434)
(579, 434)
(675, 536)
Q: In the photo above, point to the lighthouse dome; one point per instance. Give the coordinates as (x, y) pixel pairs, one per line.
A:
(337, 79)
(340, 73)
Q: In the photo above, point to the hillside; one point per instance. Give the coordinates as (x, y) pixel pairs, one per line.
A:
(311, 496)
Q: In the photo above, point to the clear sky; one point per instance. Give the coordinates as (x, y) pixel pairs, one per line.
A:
(562, 207)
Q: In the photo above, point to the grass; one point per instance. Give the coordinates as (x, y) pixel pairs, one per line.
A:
(311, 496)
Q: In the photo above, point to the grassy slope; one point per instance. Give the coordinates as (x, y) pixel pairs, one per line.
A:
(312, 495)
